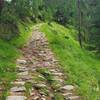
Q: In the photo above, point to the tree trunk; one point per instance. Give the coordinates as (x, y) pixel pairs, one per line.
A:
(80, 24)
(1, 5)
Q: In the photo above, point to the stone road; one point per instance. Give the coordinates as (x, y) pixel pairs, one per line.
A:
(39, 76)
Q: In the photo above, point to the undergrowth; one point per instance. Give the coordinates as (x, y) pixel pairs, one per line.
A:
(9, 52)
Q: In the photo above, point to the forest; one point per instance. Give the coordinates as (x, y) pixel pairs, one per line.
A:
(49, 49)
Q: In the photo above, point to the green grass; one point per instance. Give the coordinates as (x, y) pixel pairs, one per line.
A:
(8, 55)
(9, 52)
(9, 49)
(82, 67)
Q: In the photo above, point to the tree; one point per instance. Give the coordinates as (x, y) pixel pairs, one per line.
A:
(94, 36)
(1, 5)
(80, 23)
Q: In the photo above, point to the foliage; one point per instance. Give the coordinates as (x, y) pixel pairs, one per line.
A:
(9, 52)
(62, 11)
(17, 18)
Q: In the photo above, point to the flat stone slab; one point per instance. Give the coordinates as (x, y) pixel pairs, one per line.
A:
(73, 98)
(1, 89)
(23, 73)
(59, 80)
(21, 61)
(53, 70)
(67, 87)
(18, 89)
(43, 98)
(67, 94)
(33, 69)
(22, 69)
(19, 83)
(39, 85)
(26, 77)
(34, 98)
(58, 74)
(16, 98)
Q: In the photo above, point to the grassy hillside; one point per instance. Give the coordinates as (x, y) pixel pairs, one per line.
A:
(9, 52)
(82, 68)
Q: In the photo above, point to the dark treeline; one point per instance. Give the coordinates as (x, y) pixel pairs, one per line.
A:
(82, 14)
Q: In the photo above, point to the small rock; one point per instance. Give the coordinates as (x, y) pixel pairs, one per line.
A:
(18, 89)
(22, 69)
(26, 78)
(35, 98)
(74, 98)
(60, 80)
(1, 89)
(67, 87)
(23, 73)
(57, 74)
(19, 61)
(43, 98)
(33, 69)
(46, 64)
(18, 83)
(16, 98)
(53, 70)
(39, 85)
(67, 94)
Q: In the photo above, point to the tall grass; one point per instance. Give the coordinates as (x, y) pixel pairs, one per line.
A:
(9, 52)
(82, 68)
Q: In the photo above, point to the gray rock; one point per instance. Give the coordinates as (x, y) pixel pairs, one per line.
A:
(57, 74)
(18, 89)
(16, 98)
(26, 78)
(22, 69)
(74, 98)
(23, 73)
(33, 69)
(39, 85)
(59, 80)
(35, 98)
(53, 70)
(43, 98)
(67, 94)
(19, 83)
(20, 61)
(67, 87)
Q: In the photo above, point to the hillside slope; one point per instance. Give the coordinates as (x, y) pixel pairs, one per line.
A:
(81, 67)
(9, 52)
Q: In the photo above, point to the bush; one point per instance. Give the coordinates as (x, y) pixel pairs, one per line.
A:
(8, 23)
(8, 15)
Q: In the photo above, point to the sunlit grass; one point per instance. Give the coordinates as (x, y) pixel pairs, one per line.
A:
(82, 68)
